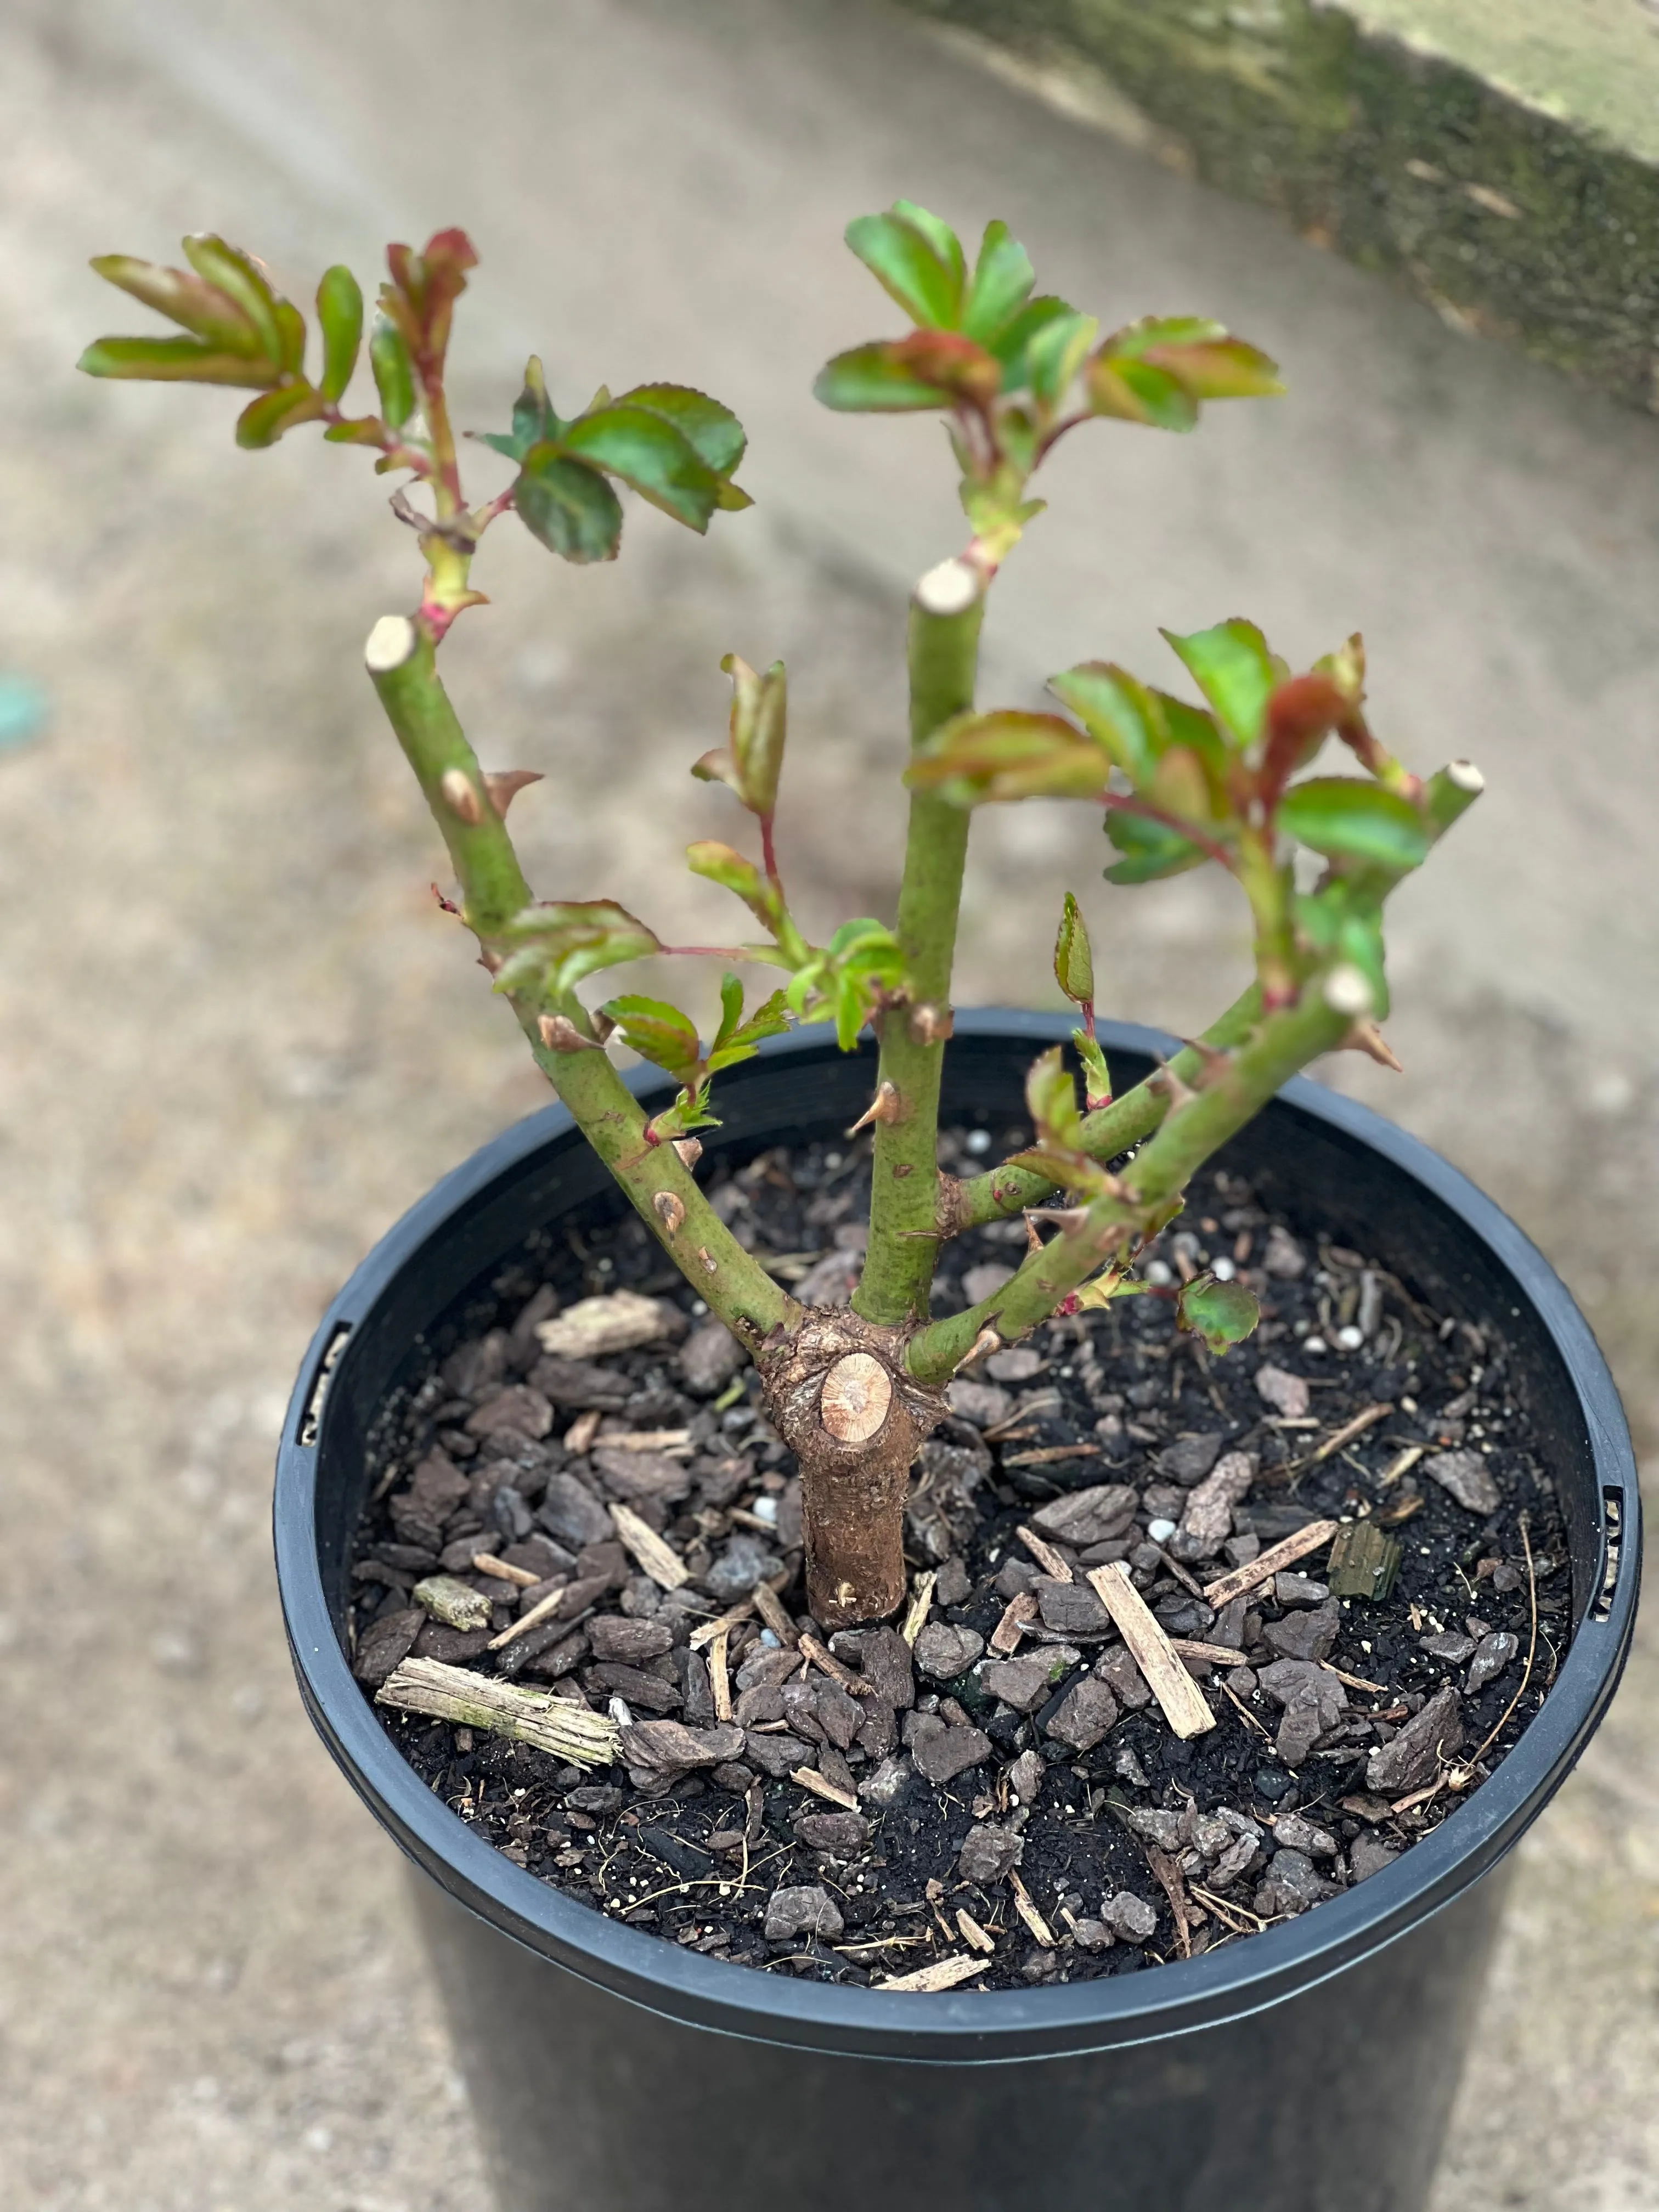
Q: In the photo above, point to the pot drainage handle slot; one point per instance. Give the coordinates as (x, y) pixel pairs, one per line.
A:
(311, 1424)
(1613, 1514)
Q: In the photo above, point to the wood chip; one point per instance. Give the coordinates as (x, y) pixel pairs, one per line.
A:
(664, 1565)
(719, 1678)
(1188, 1582)
(723, 1626)
(770, 1608)
(1401, 1464)
(581, 1433)
(1029, 1913)
(1219, 1655)
(677, 1442)
(1045, 1554)
(486, 1563)
(1366, 1418)
(1173, 1883)
(554, 1724)
(920, 1605)
(1046, 1454)
(593, 1327)
(1005, 1636)
(1183, 1703)
(525, 1622)
(975, 1937)
(827, 1663)
(1268, 1564)
(943, 1974)
(1356, 1681)
(810, 1778)
(1244, 1712)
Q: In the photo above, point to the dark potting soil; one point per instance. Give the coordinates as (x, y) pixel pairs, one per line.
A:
(1034, 1812)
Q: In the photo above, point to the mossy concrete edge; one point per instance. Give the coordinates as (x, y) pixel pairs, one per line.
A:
(1514, 219)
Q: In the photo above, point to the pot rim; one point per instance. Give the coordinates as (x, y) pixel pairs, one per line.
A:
(958, 2025)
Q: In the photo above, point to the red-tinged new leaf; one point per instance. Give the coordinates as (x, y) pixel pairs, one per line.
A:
(1074, 965)
(1138, 338)
(1117, 711)
(719, 864)
(875, 379)
(1346, 819)
(949, 362)
(754, 760)
(1055, 355)
(560, 941)
(1224, 368)
(1007, 756)
(907, 264)
(176, 361)
(196, 306)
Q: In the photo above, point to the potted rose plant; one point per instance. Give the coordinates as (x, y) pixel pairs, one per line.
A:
(982, 1657)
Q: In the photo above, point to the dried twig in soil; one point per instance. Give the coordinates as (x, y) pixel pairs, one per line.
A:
(943, 1974)
(1268, 1564)
(551, 1724)
(1149, 1647)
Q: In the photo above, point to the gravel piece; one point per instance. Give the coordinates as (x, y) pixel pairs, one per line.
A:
(1025, 1778)
(989, 1854)
(1019, 1363)
(941, 1758)
(982, 1403)
(1369, 1855)
(519, 1407)
(710, 1358)
(1492, 1654)
(1072, 1608)
(1092, 1934)
(1300, 1727)
(1189, 1459)
(1291, 1829)
(843, 1832)
(1453, 1647)
(1029, 1682)
(571, 1512)
(767, 1663)
(648, 1692)
(1208, 1519)
(1285, 1393)
(1292, 1590)
(581, 1386)
(1153, 1826)
(1308, 1636)
(743, 1562)
(955, 1585)
(640, 1478)
(1130, 1918)
(1414, 1758)
(1291, 1884)
(1465, 1476)
(985, 1280)
(1283, 1256)
(1124, 1679)
(1088, 1712)
(1082, 1517)
(808, 1910)
(776, 1755)
(891, 1782)
(943, 1651)
(883, 1657)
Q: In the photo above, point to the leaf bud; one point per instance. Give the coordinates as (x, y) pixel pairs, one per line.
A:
(559, 1034)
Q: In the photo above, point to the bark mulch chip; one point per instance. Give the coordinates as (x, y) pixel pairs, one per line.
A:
(968, 1786)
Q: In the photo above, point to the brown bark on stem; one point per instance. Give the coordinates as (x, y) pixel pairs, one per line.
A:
(839, 1396)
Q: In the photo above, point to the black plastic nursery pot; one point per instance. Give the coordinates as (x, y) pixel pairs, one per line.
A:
(1309, 2068)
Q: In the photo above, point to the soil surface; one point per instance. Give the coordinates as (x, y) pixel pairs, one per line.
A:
(1014, 1801)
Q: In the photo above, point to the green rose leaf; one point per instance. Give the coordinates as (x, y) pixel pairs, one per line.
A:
(1234, 671)
(176, 361)
(340, 316)
(1138, 391)
(196, 306)
(713, 432)
(1223, 1313)
(1012, 344)
(1151, 850)
(1096, 1076)
(1051, 1102)
(1347, 819)
(1003, 277)
(234, 273)
(394, 375)
(568, 505)
(660, 1033)
(1056, 353)
(647, 451)
(1118, 711)
(907, 253)
(736, 1039)
(264, 419)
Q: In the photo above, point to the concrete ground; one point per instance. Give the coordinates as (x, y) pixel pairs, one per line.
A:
(241, 1039)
